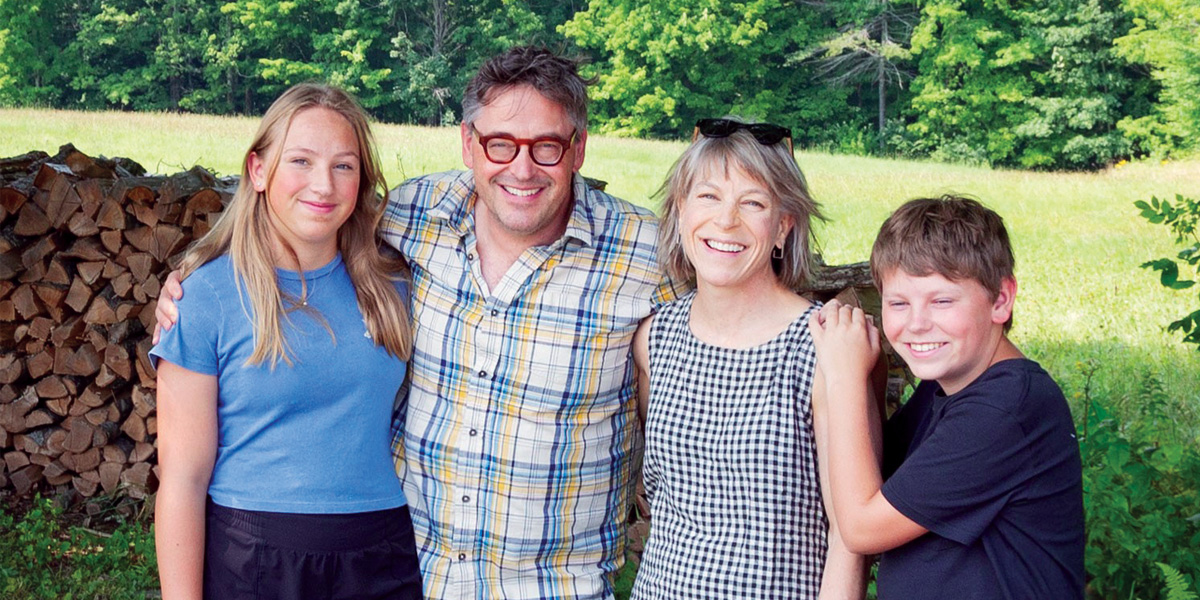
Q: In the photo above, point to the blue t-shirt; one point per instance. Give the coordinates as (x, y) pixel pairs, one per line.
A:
(310, 438)
(993, 472)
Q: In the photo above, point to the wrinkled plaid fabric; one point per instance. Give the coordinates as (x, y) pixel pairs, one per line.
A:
(520, 438)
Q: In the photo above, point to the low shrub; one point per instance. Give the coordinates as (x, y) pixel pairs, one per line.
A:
(1141, 489)
(41, 558)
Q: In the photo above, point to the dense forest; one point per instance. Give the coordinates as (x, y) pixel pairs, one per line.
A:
(1046, 84)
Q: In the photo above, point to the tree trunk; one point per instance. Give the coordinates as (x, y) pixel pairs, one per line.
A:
(881, 77)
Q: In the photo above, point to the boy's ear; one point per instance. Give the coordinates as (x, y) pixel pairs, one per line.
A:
(1002, 306)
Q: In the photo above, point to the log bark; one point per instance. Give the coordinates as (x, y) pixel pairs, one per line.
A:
(78, 295)
(23, 480)
(10, 266)
(83, 361)
(111, 215)
(12, 367)
(41, 363)
(79, 435)
(86, 483)
(56, 273)
(139, 478)
(23, 163)
(25, 302)
(135, 427)
(110, 475)
(51, 387)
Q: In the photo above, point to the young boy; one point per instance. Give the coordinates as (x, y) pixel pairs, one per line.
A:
(983, 497)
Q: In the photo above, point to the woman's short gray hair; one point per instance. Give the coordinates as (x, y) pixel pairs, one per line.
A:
(772, 165)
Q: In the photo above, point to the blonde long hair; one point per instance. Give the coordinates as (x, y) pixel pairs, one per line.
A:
(245, 232)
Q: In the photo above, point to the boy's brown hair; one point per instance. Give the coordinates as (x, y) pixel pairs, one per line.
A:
(952, 236)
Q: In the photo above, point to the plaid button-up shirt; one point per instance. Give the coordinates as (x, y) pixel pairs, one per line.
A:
(520, 439)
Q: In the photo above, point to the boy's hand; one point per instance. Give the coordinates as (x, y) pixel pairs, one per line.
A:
(165, 310)
(845, 339)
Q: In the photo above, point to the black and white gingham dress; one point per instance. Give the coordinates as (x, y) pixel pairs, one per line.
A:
(731, 467)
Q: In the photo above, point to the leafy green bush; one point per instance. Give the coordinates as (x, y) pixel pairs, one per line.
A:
(1182, 217)
(42, 559)
(1141, 490)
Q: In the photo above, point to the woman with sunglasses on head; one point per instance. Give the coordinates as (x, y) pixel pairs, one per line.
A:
(275, 391)
(726, 382)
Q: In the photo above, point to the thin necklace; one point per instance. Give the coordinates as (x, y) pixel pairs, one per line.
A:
(308, 284)
(307, 289)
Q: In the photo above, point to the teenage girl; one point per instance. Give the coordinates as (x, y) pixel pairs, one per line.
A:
(276, 386)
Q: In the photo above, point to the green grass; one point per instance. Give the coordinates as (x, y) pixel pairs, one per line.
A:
(1077, 237)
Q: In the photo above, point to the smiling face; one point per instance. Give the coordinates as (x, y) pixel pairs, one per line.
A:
(945, 330)
(314, 186)
(729, 224)
(523, 202)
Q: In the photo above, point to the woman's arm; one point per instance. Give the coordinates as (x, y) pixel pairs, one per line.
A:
(845, 575)
(641, 360)
(187, 449)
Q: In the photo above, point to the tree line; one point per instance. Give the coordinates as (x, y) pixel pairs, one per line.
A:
(1046, 84)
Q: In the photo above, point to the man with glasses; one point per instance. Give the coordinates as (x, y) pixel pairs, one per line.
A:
(520, 440)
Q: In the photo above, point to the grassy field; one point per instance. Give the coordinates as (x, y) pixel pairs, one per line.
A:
(1078, 239)
(1083, 300)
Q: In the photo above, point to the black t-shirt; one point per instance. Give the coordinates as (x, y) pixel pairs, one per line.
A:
(993, 472)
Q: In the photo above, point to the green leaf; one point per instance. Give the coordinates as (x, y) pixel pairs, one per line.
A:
(1118, 455)
(1177, 587)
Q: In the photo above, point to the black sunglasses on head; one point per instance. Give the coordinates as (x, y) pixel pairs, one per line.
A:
(765, 133)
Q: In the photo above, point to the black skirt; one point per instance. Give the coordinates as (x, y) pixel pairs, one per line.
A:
(285, 556)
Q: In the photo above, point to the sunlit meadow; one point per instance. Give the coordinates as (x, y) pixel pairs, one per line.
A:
(1079, 241)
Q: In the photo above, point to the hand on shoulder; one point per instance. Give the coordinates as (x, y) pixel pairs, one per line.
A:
(844, 336)
(165, 311)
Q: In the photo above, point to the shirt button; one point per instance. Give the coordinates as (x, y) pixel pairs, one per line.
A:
(466, 498)
(470, 256)
(474, 433)
(495, 312)
(462, 557)
(483, 373)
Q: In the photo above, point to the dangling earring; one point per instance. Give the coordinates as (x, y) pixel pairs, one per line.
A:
(777, 253)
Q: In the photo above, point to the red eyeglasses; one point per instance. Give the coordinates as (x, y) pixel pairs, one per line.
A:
(503, 148)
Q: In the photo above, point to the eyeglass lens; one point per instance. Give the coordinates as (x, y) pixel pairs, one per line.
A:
(545, 152)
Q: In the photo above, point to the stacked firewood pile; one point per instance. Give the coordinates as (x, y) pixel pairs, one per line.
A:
(84, 246)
